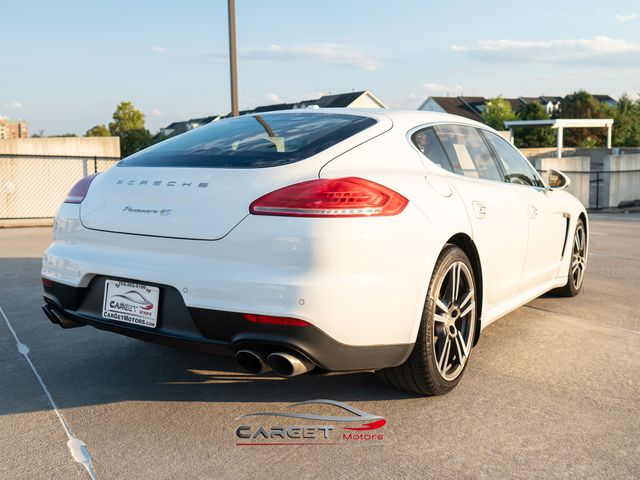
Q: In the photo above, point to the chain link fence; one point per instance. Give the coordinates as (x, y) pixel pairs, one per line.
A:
(34, 186)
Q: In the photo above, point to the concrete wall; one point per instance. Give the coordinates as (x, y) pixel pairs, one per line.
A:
(33, 187)
(597, 155)
(580, 185)
(545, 152)
(80, 146)
(620, 186)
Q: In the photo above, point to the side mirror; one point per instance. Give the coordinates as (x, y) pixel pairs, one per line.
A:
(557, 179)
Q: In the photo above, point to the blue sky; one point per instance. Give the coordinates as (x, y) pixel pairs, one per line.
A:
(65, 65)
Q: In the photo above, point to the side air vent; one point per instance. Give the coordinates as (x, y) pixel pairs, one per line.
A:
(566, 233)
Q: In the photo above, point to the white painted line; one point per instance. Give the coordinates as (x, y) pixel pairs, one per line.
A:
(77, 447)
(597, 233)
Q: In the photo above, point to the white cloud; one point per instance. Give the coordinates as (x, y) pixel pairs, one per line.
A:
(329, 53)
(620, 18)
(157, 49)
(274, 98)
(157, 113)
(13, 104)
(433, 88)
(600, 50)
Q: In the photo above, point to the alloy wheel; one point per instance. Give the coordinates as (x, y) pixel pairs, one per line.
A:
(454, 319)
(578, 259)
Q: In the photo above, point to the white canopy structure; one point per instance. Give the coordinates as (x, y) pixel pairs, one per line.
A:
(560, 124)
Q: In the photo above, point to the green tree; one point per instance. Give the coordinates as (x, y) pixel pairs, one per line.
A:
(98, 131)
(533, 137)
(581, 104)
(128, 124)
(126, 118)
(626, 122)
(133, 141)
(497, 111)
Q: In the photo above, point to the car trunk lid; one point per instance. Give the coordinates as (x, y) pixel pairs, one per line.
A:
(194, 202)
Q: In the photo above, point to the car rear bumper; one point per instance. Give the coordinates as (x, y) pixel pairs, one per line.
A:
(360, 281)
(216, 332)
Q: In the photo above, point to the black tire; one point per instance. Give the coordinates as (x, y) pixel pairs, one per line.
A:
(421, 372)
(575, 280)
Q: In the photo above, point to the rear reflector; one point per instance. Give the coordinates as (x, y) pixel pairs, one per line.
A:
(290, 322)
(46, 282)
(336, 197)
(80, 189)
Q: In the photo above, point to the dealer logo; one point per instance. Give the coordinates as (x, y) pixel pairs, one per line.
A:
(359, 426)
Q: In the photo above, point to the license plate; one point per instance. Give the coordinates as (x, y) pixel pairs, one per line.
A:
(131, 303)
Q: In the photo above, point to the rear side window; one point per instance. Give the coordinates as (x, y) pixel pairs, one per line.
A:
(252, 141)
(427, 142)
(468, 152)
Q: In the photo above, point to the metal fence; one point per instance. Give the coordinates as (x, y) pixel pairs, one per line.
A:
(614, 188)
(34, 186)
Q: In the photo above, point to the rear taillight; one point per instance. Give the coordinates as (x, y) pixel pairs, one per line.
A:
(80, 189)
(289, 322)
(338, 197)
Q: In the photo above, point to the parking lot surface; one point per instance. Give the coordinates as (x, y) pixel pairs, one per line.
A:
(552, 391)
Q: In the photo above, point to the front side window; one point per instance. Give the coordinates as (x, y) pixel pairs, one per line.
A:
(469, 153)
(517, 168)
(252, 141)
(427, 142)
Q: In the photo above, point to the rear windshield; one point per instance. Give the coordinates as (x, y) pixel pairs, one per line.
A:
(252, 141)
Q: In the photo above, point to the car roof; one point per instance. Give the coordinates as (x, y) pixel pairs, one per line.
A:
(403, 119)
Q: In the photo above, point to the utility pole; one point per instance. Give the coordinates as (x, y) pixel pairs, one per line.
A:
(233, 62)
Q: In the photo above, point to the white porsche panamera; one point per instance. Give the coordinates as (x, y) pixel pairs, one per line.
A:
(327, 240)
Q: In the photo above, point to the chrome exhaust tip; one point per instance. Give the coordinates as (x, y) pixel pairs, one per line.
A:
(252, 361)
(289, 365)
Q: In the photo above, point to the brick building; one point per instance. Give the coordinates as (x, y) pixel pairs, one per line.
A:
(13, 129)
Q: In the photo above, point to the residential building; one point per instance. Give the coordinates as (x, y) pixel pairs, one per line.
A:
(463, 106)
(606, 99)
(473, 107)
(10, 129)
(361, 99)
(551, 104)
(176, 128)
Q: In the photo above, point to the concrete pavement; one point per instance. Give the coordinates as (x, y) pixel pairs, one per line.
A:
(552, 391)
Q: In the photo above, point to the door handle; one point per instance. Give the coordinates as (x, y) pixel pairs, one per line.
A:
(533, 211)
(479, 209)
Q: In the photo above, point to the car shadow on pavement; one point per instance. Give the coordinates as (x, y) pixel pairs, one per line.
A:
(121, 369)
(86, 366)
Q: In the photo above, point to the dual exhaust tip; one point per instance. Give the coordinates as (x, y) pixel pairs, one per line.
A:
(285, 364)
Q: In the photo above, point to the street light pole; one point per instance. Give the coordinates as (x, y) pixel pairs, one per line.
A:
(233, 64)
